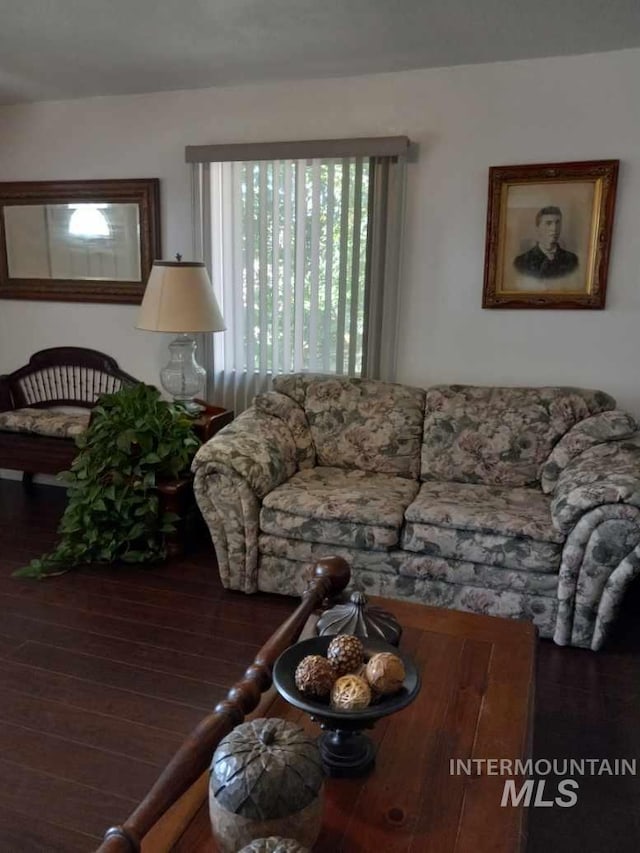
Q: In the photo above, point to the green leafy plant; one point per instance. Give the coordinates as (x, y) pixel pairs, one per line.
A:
(134, 440)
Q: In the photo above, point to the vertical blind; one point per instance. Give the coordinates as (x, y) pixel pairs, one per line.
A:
(303, 257)
(288, 243)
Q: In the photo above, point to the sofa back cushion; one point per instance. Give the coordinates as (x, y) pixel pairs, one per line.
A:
(292, 413)
(499, 436)
(360, 423)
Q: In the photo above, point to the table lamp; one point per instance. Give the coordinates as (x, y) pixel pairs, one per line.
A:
(179, 298)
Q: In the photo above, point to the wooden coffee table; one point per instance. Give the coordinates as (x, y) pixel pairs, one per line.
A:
(476, 702)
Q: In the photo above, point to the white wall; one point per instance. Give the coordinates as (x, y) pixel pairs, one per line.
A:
(464, 120)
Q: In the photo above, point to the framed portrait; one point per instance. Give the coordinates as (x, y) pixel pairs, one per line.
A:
(549, 235)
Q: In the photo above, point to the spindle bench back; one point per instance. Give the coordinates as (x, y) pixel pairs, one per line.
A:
(65, 376)
(59, 376)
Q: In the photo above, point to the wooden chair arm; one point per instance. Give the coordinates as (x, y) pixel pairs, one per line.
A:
(6, 403)
(330, 576)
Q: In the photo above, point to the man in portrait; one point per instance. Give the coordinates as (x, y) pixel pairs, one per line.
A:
(547, 259)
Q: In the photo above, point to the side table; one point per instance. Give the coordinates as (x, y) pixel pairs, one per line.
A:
(177, 495)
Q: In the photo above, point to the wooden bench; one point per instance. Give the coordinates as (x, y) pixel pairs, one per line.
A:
(60, 376)
(75, 376)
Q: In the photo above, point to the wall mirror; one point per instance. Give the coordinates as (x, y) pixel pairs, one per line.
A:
(78, 241)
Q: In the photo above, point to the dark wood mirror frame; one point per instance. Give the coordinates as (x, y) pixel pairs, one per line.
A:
(143, 192)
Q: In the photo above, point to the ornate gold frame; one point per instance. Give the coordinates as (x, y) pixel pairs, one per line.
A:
(604, 175)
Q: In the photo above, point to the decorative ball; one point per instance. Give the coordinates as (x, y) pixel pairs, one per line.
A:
(274, 845)
(350, 693)
(385, 673)
(345, 653)
(315, 676)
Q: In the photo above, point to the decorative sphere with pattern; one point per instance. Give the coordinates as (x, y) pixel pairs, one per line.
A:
(346, 653)
(385, 673)
(350, 693)
(314, 676)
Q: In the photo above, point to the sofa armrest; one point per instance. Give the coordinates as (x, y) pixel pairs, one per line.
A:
(257, 447)
(600, 559)
(606, 474)
(233, 471)
(596, 504)
(612, 425)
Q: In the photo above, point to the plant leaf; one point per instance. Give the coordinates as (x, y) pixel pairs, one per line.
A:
(134, 438)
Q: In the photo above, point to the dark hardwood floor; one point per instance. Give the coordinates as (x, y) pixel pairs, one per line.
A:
(588, 706)
(103, 672)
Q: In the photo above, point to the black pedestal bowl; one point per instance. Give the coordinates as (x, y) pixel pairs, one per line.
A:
(346, 751)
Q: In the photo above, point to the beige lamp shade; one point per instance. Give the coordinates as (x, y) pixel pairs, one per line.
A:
(179, 298)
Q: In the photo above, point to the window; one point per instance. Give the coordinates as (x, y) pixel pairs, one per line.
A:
(290, 245)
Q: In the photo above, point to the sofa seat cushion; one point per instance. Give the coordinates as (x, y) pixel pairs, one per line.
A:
(48, 422)
(511, 528)
(335, 506)
(360, 423)
(499, 436)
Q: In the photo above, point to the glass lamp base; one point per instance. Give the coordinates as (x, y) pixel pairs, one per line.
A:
(183, 378)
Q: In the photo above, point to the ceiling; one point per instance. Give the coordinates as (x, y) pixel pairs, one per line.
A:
(53, 49)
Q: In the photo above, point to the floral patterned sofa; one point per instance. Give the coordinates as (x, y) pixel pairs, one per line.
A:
(517, 502)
